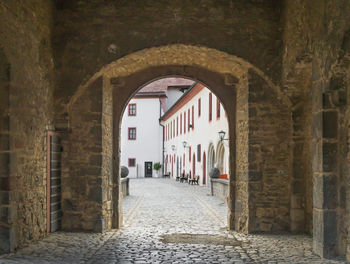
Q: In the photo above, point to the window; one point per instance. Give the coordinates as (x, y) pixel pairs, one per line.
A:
(181, 124)
(189, 119)
(199, 107)
(210, 106)
(131, 162)
(199, 152)
(132, 133)
(189, 154)
(185, 122)
(132, 110)
(217, 108)
(177, 126)
(192, 117)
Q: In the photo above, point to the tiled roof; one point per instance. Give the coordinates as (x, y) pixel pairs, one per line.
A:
(161, 85)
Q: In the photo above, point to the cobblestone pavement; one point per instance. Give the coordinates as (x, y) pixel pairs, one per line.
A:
(169, 222)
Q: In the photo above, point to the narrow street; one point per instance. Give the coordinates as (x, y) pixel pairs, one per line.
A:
(169, 222)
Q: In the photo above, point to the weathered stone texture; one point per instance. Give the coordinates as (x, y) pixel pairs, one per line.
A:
(269, 156)
(82, 185)
(25, 37)
(91, 34)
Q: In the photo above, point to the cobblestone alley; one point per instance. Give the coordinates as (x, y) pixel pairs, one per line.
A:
(169, 222)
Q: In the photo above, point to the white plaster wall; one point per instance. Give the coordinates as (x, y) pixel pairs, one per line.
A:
(172, 96)
(204, 133)
(148, 143)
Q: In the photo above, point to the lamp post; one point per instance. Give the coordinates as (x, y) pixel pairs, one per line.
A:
(184, 143)
(222, 134)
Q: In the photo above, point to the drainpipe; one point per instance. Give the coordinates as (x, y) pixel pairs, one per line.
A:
(160, 115)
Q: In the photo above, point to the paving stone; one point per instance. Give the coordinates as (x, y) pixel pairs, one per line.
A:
(167, 207)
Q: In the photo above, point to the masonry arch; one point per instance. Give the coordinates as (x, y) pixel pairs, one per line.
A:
(228, 76)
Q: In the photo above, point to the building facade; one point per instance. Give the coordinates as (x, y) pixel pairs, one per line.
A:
(141, 131)
(192, 144)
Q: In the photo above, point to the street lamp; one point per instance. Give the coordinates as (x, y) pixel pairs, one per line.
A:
(222, 134)
(185, 144)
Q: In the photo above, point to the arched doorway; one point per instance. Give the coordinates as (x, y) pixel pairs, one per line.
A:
(204, 162)
(211, 157)
(220, 157)
(226, 75)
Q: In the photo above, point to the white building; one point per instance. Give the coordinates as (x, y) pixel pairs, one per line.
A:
(196, 119)
(141, 132)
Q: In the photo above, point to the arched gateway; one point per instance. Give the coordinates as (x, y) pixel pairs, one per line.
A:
(238, 84)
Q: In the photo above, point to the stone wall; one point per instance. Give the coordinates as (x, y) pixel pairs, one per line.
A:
(84, 184)
(5, 228)
(219, 188)
(92, 34)
(269, 158)
(25, 39)
(313, 44)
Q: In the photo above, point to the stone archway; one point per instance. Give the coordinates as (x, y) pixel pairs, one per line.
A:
(233, 80)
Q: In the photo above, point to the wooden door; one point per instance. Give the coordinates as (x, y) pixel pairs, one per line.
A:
(54, 212)
(148, 169)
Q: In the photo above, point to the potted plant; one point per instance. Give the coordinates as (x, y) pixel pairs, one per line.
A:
(157, 167)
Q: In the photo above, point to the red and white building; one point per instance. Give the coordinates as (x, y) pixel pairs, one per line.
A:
(191, 135)
(141, 131)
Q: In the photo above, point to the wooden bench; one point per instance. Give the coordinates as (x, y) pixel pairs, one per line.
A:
(194, 180)
(184, 178)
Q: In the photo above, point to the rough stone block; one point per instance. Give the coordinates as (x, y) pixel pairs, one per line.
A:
(329, 156)
(4, 142)
(95, 160)
(4, 197)
(255, 175)
(4, 240)
(298, 187)
(330, 124)
(297, 215)
(330, 193)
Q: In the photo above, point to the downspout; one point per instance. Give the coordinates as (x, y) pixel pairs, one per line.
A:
(160, 115)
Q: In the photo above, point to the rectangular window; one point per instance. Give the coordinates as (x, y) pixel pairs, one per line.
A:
(181, 124)
(189, 154)
(177, 126)
(174, 128)
(132, 133)
(217, 108)
(131, 162)
(199, 107)
(210, 106)
(199, 152)
(185, 122)
(132, 110)
(192, 117)
(188, 119)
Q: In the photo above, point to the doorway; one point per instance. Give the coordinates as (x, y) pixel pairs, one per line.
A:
(148, 169)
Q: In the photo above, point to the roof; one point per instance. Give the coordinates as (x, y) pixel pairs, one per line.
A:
(185, 98)
(160, 86)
